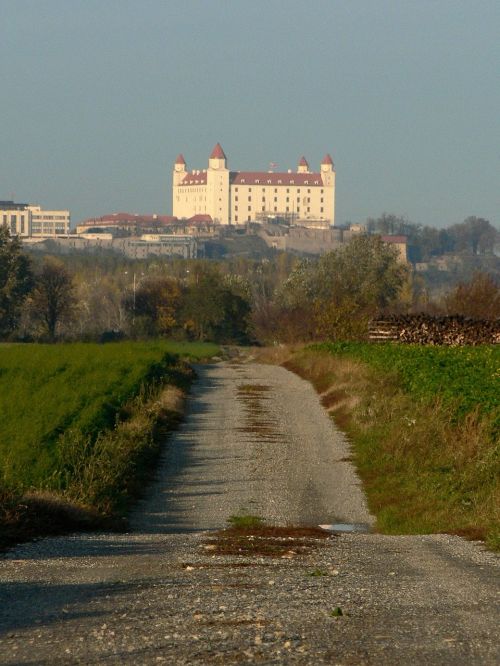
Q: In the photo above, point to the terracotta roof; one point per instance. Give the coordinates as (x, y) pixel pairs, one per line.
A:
(180, 159)
(130, 218)
(304, 162)
(217, 153)
(266, 178)
(257, 178)
(327, 159)
(200, 218)
(395, 239)
(195, 178)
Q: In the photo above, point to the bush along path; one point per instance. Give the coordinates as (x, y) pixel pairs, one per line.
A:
(226, 564)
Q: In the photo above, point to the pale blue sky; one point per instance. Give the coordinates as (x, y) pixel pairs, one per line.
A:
(99, 96)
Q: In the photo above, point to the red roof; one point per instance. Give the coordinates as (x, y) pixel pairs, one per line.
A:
(200, 218)
(266, 178)
(130, 218)
(180, 159)
(258, 178)
(395, 239)
(195, 178)
(327, 159)
(217, 153)
(303, 162)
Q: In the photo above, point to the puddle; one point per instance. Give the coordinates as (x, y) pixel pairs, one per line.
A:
(346, 527)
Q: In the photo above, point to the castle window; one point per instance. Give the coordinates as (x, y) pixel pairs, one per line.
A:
(257, 181)
(242, 180)
(287, 199)
(263, 208)
(236, 218)
(236, 198)
(275, 199)
(268, 182)
(306, 182)
(235, 189)
(275, 190)
(321, 200)
(279, 182)
(236, 208)
(249, 198)
(321, 209)
(275, 209)
(292, 182)
(263, 198)
(287, 209)
(308, 191)
(249, 207)
(321, 191)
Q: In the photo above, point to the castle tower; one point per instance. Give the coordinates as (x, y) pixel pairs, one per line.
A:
(218, 186)
(179, 169)
(217, 158)
(303, 165)
(328, 177)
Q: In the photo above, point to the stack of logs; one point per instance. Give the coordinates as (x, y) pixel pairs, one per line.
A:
(428, 330)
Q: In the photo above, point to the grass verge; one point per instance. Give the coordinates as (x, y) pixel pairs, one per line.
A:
(429, 458)
(92, 472)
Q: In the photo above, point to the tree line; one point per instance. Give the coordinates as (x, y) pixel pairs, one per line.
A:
(283, 299)
(474, 236)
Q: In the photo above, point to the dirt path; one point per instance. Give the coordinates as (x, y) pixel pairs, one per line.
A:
(256, 440)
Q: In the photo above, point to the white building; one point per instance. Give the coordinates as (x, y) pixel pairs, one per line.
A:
(238, 197)
(29, 221)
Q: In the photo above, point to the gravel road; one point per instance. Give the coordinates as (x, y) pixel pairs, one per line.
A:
(256, 440)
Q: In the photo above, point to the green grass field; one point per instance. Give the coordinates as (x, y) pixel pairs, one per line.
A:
(425, 428)
(465, 378)
(46, 390)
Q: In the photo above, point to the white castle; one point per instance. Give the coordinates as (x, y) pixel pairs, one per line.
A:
(238, 197)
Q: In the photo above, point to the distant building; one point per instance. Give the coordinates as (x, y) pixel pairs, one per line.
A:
(133, 224)
(238, 197)
(161, 245)
(29, 221)
(401, 245)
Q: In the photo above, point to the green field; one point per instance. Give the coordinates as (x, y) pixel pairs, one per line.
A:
(425, 427)
(465, 378)
(46, 390)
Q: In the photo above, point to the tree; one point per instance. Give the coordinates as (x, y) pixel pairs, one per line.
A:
(474, 235)
(479, 298)
(16, 281)
(53, 299)
(341, 291)
(216, 307)
(154, 306)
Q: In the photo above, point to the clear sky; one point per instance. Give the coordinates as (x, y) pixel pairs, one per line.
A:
(99, 96)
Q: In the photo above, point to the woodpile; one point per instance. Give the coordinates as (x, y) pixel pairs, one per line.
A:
(425, 329)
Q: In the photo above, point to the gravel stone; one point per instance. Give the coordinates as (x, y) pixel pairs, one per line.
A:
(159, 595)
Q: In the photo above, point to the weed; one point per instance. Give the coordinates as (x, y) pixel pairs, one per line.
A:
(336, 612)
(245, 521)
